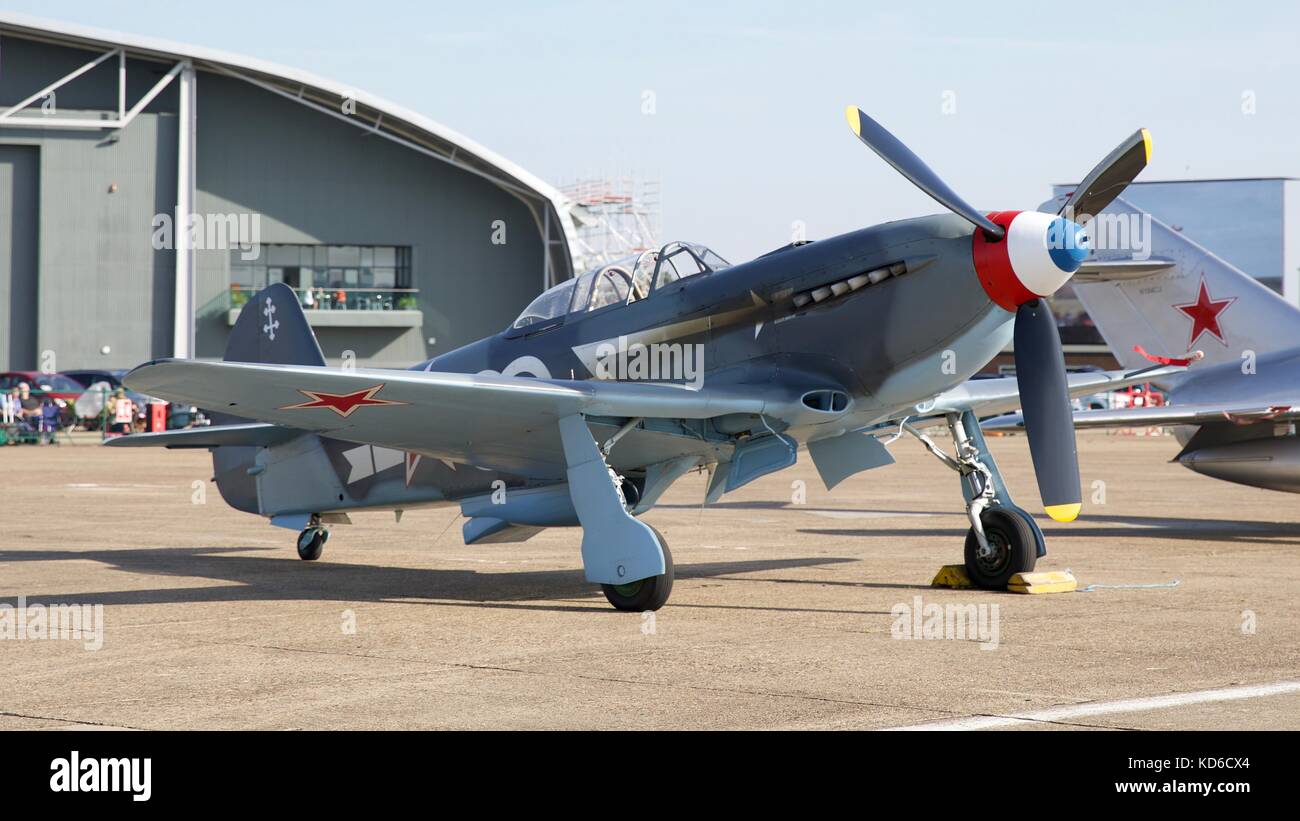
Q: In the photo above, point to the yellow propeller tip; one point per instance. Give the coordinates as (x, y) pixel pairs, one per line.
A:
(1063, 513)
(851, 113)
(1146, 144)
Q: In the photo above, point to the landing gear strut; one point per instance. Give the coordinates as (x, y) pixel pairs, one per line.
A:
(311, 541)
(626, 557)
(1003, 539)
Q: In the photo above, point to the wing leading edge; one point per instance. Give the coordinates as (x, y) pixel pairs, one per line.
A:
(496, 422)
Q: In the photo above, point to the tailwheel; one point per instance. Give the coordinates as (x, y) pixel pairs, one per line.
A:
(1012, 548)
(644, 594)
(311, 541)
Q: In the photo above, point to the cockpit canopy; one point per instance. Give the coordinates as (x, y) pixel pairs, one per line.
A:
(622, 281)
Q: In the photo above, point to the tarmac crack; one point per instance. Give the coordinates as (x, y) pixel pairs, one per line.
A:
(86, 722)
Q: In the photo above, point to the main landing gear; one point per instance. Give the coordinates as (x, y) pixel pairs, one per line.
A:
(626, 557)
(1003, 539)
(311, 541)
(644, 594)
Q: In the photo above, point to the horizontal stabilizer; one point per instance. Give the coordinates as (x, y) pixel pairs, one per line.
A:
(252, 434)
(1120, 270)
(1160, 415)
(989, 397)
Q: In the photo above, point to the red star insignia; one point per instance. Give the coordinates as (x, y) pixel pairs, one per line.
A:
(342, 403)
(1204, 313)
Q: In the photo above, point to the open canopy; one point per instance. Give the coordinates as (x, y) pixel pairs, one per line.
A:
(625, 280)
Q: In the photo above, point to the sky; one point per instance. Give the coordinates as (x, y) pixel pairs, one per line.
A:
(746, 133)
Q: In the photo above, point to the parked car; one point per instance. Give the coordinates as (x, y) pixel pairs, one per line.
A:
(89, 377)
(178, 416)
(56, 385)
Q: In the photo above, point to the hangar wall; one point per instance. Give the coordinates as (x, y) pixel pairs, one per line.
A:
(19, 173)
(98, 279)
(313, 179)
(317, 180)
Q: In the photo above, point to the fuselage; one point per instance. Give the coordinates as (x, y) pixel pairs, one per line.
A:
(816, 325)
(888, 344)
(1263, 454)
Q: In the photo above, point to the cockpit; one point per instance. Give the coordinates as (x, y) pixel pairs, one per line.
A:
(621, 282)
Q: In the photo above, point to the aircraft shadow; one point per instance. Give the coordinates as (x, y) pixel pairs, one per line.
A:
(776, 505)
(1122, 527)
(247, 578)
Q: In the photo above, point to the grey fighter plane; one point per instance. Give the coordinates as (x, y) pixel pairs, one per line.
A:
(1234, 410)
(611, 386)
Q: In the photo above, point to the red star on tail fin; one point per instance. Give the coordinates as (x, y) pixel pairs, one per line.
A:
(1204, 313)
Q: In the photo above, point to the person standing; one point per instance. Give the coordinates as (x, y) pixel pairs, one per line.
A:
(122, 411)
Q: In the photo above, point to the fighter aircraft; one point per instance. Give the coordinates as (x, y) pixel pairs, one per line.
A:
(1234, 410)
(589, 406)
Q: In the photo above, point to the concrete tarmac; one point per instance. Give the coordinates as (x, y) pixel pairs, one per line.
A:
(785, 612)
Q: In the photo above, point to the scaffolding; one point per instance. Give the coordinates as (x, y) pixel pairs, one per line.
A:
(614, 217)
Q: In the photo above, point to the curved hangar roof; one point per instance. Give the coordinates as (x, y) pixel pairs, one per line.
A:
(373, 113)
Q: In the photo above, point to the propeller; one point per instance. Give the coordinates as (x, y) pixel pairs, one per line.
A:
(1111, 176)
(1045, 404)
(1022, 258)
(892, 151)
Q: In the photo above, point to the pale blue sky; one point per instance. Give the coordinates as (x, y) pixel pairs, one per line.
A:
(749, 133)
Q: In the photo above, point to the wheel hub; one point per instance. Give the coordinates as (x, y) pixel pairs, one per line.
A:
(999, 553)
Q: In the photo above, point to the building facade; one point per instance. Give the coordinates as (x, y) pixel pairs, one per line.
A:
(147, 188)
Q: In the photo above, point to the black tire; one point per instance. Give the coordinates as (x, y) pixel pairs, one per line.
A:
(311, 542)
(644, 594)
(1014, 544)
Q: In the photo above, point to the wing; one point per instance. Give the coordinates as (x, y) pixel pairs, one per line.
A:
(1189, 414)
(988, 397)
(500, 423)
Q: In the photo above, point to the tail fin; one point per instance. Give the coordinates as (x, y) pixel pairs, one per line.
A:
(273, 330)
(1183, 298)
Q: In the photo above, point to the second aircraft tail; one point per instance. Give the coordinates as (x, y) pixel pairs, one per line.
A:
(1182, 298)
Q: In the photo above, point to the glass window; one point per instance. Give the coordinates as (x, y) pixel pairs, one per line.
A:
(712, 260)
(345, 255)
(373, 272)
(552, 303)
(582, 292)
(611, 288)
(242, 275)
(281, 255)
(643, 275)
(678, 265)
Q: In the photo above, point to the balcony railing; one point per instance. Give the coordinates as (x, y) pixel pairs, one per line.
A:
(337, 307)
(343, 298)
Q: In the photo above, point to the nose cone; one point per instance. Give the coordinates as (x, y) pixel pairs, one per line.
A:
(1067, 244)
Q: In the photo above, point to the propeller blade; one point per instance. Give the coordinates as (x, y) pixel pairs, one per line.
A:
(1045, 402)
(892, 151)
(1111, 176)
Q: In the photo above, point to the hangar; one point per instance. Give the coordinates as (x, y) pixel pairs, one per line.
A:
(147, 188)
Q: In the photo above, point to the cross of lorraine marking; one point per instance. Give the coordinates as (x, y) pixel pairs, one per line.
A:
(271, 322)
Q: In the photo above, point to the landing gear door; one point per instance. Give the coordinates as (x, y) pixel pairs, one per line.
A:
(297, 477)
